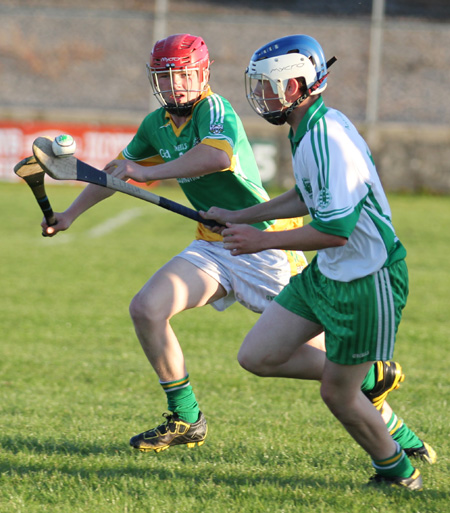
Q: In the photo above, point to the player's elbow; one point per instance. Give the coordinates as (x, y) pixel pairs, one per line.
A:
(334, 241)
(223, 160)
(216, 159)
(340, 241)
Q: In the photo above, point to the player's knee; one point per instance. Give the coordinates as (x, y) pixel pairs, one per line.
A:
(253, 362)
(142, 308)
(340, 402)
(136, 308)
(247, 361)
(330, 396)
(252, 366)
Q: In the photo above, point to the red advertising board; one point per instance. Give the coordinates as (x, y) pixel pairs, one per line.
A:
(96, 144)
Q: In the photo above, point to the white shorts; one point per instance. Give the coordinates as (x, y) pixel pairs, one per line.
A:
(251, 280)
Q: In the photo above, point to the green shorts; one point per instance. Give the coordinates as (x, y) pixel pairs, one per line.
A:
(360, 318)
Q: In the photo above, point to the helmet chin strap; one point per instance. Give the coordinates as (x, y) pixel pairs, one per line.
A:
(183, 109)
(280, 117)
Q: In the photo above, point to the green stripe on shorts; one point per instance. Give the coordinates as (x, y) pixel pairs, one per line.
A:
(360, 318)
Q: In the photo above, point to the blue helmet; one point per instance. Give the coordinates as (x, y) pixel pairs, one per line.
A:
(296, 56)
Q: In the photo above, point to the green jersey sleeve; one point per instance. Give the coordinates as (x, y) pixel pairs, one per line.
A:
(145, 145)
(217, 123)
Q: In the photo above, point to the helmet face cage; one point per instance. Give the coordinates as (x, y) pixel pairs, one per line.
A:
(255, 89)
(291, 57)
(175, 107)
(183, 55)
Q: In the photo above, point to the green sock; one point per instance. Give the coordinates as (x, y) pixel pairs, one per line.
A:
(181, 399)
(370, 379)
(397, 465)
(401, 433)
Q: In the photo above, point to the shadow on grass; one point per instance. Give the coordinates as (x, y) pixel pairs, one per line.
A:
(22, 443)
(189, 478)
(186, 468)
(231, 479)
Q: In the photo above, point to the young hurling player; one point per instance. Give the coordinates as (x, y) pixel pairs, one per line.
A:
(197, 138)
(357, 285)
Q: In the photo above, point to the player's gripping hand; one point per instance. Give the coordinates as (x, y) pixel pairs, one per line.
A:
(221, 215)
(62, 223)
(126, 170)
(242, 239)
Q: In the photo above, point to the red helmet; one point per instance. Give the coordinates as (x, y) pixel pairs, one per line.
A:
(177, 53)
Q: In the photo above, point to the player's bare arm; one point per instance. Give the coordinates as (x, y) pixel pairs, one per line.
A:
(242, 239)
(285, 206)
(89, 196)
(200, 160)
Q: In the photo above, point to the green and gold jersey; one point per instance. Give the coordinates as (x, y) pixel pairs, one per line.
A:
(213, 122)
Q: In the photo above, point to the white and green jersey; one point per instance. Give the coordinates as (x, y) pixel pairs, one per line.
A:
(213, 122)
(337, 180)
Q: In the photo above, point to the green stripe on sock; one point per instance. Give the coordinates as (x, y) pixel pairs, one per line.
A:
(172, 385)
(397, 465)
(401, 433)
(394, 424)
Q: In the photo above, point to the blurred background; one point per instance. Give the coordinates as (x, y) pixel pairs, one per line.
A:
(79, 67)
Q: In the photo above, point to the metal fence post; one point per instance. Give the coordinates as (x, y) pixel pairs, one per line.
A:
(374, 73)
(159, 32)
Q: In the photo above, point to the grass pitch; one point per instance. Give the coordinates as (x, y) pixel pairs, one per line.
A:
(75, 384)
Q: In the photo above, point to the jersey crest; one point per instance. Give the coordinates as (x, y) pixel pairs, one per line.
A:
(307, 186)
(216, 128)
(324, 198)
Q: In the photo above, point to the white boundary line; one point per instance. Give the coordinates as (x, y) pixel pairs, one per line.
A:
(100, 230)
(113, 223)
